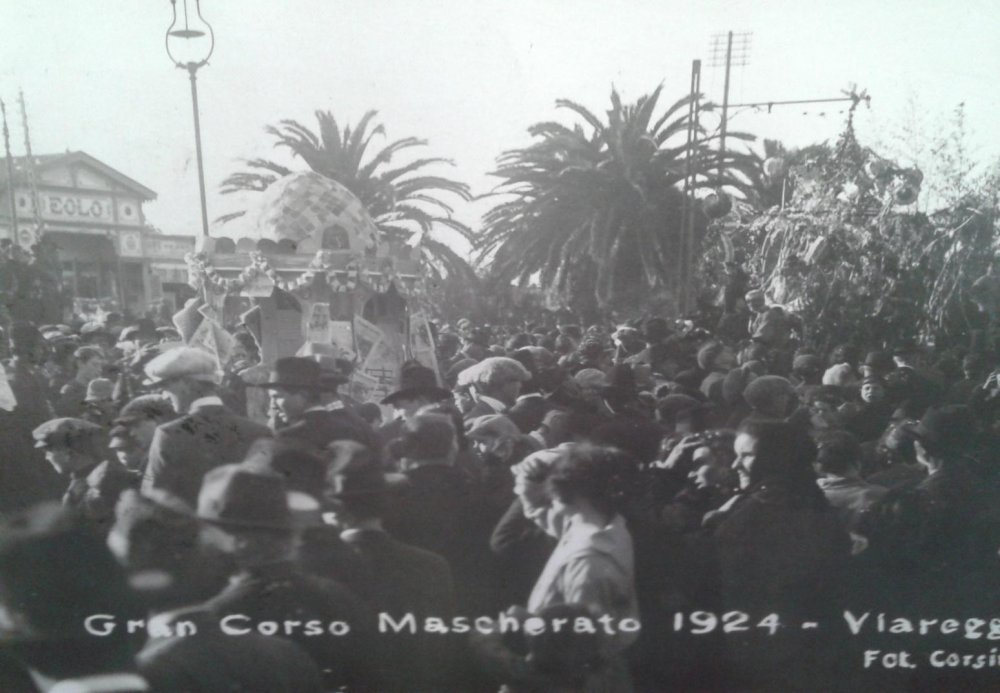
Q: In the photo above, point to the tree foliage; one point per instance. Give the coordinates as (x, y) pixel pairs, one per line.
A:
(853, 256)
(594, 208)
(404, 199)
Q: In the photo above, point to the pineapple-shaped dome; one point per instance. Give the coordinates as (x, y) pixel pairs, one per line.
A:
(315, 213)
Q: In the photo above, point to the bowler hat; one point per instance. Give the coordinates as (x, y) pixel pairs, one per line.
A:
(296, 373)
(99, 389)
(415, 381)
(234, 495)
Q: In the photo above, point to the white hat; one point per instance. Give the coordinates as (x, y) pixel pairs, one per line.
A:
(183, 362)
(497, 369)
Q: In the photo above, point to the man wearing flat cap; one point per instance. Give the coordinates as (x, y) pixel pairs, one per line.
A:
(247, 514)
(73, 447)
(205, 435)
(296, 386)
(495, 384)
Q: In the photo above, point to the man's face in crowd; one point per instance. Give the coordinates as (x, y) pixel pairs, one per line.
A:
(290, 404)
(60, 459)
(407, 408)
(872, 392)
(745, 447)
(824, 415)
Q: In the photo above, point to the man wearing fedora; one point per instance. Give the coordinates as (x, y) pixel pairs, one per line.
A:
(54, 574)
(418, 387)
(406, 579)
(247, 515)
(296, 386)
(204, 436)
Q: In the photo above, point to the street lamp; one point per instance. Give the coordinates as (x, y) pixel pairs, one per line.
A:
(193, 44)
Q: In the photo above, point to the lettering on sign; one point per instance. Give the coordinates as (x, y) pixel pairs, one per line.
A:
(78, 207)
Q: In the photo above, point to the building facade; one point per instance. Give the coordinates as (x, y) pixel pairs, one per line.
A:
(110, 255)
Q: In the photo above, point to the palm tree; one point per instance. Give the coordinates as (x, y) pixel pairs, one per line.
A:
(403, 200)
(594, 210)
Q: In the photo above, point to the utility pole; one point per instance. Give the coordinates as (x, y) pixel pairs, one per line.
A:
(686, 250)
(10, 174)
(741, 58)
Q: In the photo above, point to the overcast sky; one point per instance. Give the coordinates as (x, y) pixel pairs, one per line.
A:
(468, 75)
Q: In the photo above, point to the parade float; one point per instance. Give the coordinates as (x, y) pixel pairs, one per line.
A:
(307, 271)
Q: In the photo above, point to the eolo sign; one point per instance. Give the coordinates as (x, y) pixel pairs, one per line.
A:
(77, 206)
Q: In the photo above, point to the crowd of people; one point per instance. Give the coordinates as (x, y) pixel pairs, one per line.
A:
(654, 506)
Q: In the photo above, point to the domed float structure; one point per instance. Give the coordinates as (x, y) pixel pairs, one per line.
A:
(307, 270)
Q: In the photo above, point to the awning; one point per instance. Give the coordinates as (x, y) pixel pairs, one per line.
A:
(83, 246)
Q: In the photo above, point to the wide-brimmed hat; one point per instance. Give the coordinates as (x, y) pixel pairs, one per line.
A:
(296, 373)
(950, 427)
(291, 459)
(354, 471)
(235, 496)
(415, 381)
(57, 573)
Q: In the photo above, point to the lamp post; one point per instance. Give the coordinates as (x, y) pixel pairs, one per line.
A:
(197, 44)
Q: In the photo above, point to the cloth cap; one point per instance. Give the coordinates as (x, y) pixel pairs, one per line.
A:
(151, 407)
(840, 375)
(591, 378)
(183, 362)
(65, 432)
(491, 426)
(494, 371)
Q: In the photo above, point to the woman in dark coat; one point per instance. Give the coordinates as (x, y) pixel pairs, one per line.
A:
(781, 550)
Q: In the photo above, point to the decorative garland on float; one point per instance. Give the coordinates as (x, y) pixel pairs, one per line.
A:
(202, 272)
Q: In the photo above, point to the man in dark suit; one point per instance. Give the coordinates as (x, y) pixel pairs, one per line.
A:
(54, 576)
(24, 480)
(406, 579)
(296, 386)
(247, 516)
(440, 508)
(205, 436)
